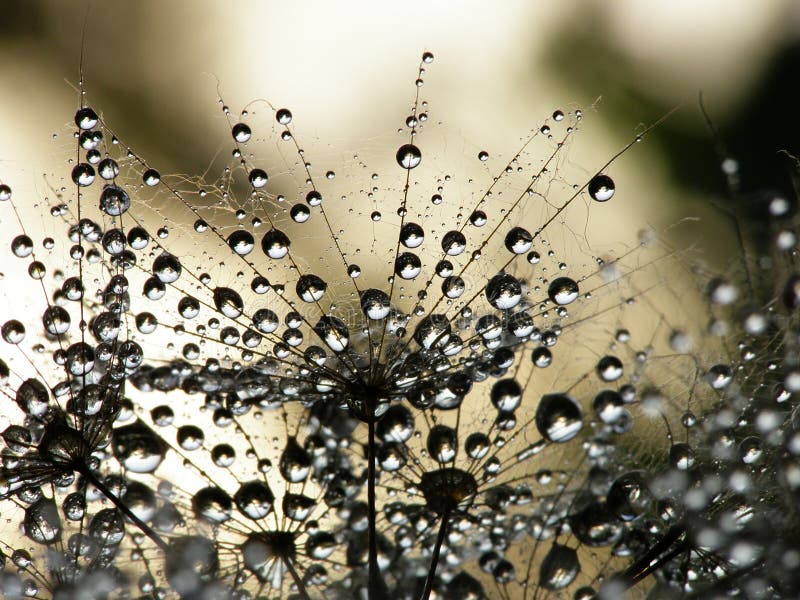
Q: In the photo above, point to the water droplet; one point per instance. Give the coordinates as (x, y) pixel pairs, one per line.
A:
(559, 417)
(563, 290)
(503, 291)
(83, 174)
(559, 568)
(241, 133)
(241, 242)
(258, 178)
(275, 244)
(408, 156)
(283, 116)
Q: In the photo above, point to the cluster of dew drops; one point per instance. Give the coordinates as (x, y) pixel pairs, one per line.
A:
(243, 542)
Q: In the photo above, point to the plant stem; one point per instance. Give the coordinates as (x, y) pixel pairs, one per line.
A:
(649, 562)
(426, 592)
(297, 580)
(115, 500)
(376, 586)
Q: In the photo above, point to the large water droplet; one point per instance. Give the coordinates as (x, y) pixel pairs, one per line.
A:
(408, 156)
(559, 417)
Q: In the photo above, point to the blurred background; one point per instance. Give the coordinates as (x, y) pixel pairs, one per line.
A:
(345, 70)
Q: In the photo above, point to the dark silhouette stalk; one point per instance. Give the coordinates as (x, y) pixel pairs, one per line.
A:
(376, 586)
(650, 561)
(297, 579)
(119, 504)
(426, 592)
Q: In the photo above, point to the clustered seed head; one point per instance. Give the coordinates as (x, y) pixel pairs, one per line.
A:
(454, 409)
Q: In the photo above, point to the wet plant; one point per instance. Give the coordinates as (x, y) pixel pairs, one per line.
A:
(285, 382)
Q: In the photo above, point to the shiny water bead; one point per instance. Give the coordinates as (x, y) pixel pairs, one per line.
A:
(265, 320)
(558, 418)
(444, 268)
(310, 288)
(629, 497)
(241, 242)
(518, 240)
(37, 270)
(167, 268)
(283, 116)
(408, 265)
(442, 443)
(83, 174)
(433, 329)
(408, 156)
(719, 376)
(241, 133)
(138, 238)
(334, 332)
(300, 213)
(478, 218)
(559, 568)
(22, 246)
(608, 405)
(601, 188)
(354, 271)
(258, 178)
(563, 291)
(212, 504)
(477, 445)
(609, 368)
(138, 448)
(86, 118)
(107, 527)
(90, 140)
(503, 291)
(190, 437)
(151, 177)
(313, 198)
(483, 156)
(541, 357)
(114, 242)
(681, 456)
(295, 462)
(254, 499)
(13, 331)
(228, 302)
(275, 244)
(454, 243)
(791, 292)
(520, 325)
(506, 395)
(114, 201)
(5, 192)
(412, 235)
(397, 424)
(375, 304)
(108, 169)
(453, 287)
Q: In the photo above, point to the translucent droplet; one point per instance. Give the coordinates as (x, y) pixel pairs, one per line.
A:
(559, 417)
(408, 156)
(241, 133)
(275, 244)
(504, 291)
(563, 290)
(559, 568)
